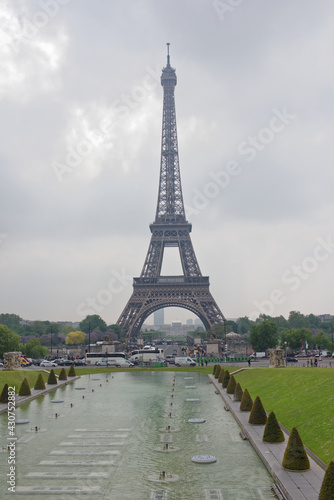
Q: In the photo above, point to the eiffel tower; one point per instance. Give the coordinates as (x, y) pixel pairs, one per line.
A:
(151, 291)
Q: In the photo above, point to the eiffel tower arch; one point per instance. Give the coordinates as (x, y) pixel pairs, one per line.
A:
(152, 291)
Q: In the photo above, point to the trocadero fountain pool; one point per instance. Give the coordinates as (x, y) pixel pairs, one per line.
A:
(129, 435)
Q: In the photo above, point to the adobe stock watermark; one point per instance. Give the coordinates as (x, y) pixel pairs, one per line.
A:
(117, 284)
(121, 108)
(248, 148)
(225, 7)
(294, 277)
(48, 10)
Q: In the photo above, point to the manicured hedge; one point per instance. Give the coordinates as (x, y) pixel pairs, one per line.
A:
(52, 379)
(295, 457)
(25, 388)
(246, 401)
(327, 487)
(272, 431)
(257, 415)
(40, 384)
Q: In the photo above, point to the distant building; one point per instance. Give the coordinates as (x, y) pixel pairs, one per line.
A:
(198, 322)
(159, 317)
(189, 322)
(325, 318)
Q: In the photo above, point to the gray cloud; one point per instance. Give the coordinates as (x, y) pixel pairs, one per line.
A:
(81, 108)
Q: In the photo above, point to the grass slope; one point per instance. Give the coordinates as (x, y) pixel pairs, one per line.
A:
(300, 397)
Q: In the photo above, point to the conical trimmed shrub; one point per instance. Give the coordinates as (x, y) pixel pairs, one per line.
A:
(4, 394)
(71, 372)
(226, 379)
(272, 431)
(40, 384)
(221, 375)
(295, 457)
(231, 385)
(25, 388)
(214, 370)
(62, 374)
(217, 371)
(327, 487)
(237, 392)
(246, 401)
(257, 415)
(52, 379)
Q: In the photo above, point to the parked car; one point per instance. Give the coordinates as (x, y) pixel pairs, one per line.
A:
(290, 359)
(37, 362)
(64, 362)
(48, 364)
(124, 363)
(79, 362)
(170, 359)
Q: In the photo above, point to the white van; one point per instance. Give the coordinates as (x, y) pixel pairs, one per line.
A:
(184, 361)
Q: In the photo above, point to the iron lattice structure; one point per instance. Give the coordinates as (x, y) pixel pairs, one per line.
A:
(151, 291)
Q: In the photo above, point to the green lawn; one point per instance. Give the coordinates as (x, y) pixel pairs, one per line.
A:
(300, 397)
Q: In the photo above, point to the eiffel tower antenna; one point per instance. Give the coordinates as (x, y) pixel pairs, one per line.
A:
(151, 291)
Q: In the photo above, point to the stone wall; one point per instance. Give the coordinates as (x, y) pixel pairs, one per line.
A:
(12, 360)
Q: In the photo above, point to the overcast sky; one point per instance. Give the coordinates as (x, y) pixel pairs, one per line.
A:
(81, 113)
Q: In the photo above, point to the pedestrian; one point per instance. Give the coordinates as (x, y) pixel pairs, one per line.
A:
(249, 362)
(206, 362)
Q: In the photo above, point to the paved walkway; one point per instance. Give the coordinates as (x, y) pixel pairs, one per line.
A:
(303, 485)
(19, 400)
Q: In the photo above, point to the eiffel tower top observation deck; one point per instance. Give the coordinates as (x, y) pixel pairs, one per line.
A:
(170, 208)
(151, 291)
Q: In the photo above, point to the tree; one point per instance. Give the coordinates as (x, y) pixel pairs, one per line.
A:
(246, 401)
(231, 385)
(238, 392)
(25, 388)
(327, 486)
(263, 335)
(258, 414)
(296, 337)
(321, 341)
(217, 331)
(4, 394)
(297, 320)
(13, 321)
(67, 329)
(34, 349)
(272, 431)
(295, 457)
(94, 321)
(72, 372)
(244, 325)
(75, 338)
(62, 374)
(52, 379)
(9, 341)
(116, 329)
(40, 384)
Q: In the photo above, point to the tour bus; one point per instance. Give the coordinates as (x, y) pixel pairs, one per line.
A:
(94, 358)
(144, 355)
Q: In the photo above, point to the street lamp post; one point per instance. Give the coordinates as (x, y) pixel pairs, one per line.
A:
(286, 362)
(89, 336)
(51, 340)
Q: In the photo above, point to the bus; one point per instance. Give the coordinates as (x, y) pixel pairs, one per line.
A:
(92, 358)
